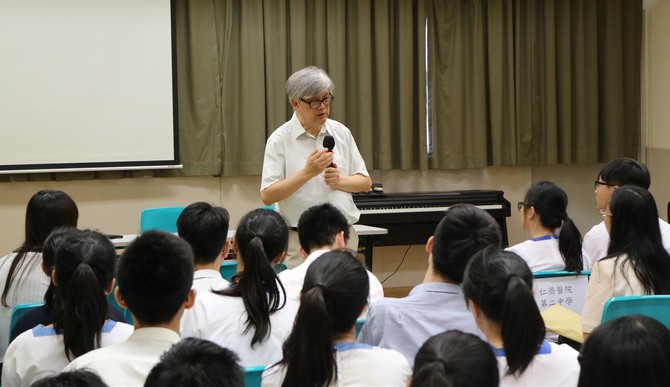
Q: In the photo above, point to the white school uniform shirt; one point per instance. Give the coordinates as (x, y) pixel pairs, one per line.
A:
(128, 363)
(357, 365)
(293, 279)
(205, 278)
(542, 254)
(597, 240)
(28, 289)
(39, 352)
(286, 151)
(222, 319)
(553, 365)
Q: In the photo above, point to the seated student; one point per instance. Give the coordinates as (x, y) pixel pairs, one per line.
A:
(251, 315)
(628, 351)
(543, 213)
(455, 358)
(155, 275)
(321, 350)
(21, 277)
(636, 261)
(78, 378)
(205, 228)
(196, 363)
(437, 304)
(498, 286)
(83, 274)
(45, 314)
(613, 175)
(321, 228)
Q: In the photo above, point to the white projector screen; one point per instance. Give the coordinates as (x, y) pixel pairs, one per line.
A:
(87, 85)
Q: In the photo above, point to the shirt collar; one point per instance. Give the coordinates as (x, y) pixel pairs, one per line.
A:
(155, 334)
(544, 238)
(437, 287)
(297, 130)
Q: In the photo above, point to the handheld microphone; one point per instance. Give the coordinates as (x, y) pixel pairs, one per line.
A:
(329, 143)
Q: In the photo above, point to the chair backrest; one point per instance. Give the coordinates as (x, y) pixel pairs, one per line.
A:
(160, 218)
(564, 288)
(359, 325)
(19, 311)
(229, 268)
(657, 307)
(111, 300)
(253, 376)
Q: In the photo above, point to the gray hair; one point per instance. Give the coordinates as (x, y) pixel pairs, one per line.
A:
(308, 82)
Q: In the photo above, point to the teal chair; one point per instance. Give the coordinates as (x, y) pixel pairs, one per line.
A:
(19, 311)
(229, 268)
(656, 307)
(565, 288)
(111, 300)
(359, 325)
(160, 218)
(253, 376)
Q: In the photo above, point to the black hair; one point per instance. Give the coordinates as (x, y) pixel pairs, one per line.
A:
(155, 275)
(635, 237)
(75, 378)
(196, 363)
(319, 225)
(550, 203)
(625, 171)
(46, 211)
(205, 228)
(464, 230)
(333, 295)
(261, 236)
(455, 358)
(628, 351)
(500, 284)
(49, 251)
(83, 271)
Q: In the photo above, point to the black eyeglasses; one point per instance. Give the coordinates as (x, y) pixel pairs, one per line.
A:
(316, 103)
(598, 182)
(521, 205)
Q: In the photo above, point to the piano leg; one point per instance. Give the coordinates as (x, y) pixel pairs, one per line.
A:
(368, 243)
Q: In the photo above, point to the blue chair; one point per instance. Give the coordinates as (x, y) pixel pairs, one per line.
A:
(19, 311)
(111, 300)
(229, 268)
(656, 307)
(253, 376)
(561, 287)
(359, 325)
(160, 218)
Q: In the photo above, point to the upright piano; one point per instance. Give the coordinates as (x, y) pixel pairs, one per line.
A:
(411, 218)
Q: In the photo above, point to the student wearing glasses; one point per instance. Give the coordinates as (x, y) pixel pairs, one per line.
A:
(299, 172)
(613, 175)
(555, 242)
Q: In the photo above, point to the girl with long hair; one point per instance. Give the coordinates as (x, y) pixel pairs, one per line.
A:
(21, 277)
(82, 276)
(249, 314)
(636, 261)
(555, 242)
(498, 288)
(322, 348)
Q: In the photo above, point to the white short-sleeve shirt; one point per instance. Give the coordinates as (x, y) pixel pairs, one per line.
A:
(542, 254)
(286, 152)
(39, 352)
(553, 365)
(30, 288)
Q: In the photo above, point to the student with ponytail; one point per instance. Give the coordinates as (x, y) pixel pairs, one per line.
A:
(555, 242)
(498, 287)
(250, 314)
(82, 275)
(21, 277)
(322, 348)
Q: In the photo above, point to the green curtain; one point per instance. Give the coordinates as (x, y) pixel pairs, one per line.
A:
(528, 82)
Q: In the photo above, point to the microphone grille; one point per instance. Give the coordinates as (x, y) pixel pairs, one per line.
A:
(329, 142)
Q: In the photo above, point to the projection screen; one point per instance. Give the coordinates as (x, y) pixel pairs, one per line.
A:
(87, 85)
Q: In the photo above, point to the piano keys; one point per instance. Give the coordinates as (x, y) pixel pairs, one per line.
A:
(411, 218)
